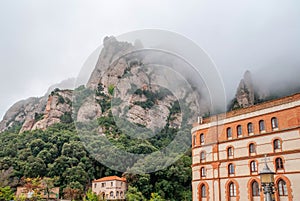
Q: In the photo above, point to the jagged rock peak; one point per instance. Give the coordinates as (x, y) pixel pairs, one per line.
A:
(245, 94)
(112, 49)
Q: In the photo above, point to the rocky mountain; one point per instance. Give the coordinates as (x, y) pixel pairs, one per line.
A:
(138, 92)
(128, 84)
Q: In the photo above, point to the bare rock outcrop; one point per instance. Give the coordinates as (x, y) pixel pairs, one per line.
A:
(89, 110)
(112, 49)
(24, 111)
(58, 104)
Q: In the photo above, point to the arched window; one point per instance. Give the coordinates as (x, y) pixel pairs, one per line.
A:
(250, 128)
(253, 166)
(201, 138)
(252, 148)
(194, 140)
(230, 152)
(239, 130)
(117, 193)
(230, 168)
(229, 132)
(232, 190)
(255, 189)
(203, 191)
(282, 189)
(203, 172)
(121, 194)
(278, 164)
(276, 144)
(111, 194)
(274, 123)
(202, 156)
(261, 125)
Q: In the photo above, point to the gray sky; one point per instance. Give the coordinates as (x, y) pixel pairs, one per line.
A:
(43, 42)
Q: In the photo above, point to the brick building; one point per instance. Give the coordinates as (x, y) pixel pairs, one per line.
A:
(110, 188)
(228, 151)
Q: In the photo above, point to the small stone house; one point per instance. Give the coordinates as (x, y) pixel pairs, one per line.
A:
(110, 188)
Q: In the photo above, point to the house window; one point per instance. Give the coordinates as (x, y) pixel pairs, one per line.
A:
(253, 166)
(202, 138)
(117, 193)
(230, 168)
(277, 144)
(251, 148)
(230, 152)
(232, 190)
(111, 194)
(278, 164)
(274, 123)
(111, 183)
(282, 189)
(203, 191)
(261, 125)
(121, 194)
(229, 133)
(250, 128)
(95, 185)
(102, 184)
(202, 156)
(255, 189)
(203, 172)
(239, 130)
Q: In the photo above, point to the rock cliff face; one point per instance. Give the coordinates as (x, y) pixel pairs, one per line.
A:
(38, 113)
(138, 91)
(245, 91)
(23, 111)
(112, 49)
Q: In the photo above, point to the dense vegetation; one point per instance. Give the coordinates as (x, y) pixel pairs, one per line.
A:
(58, 153)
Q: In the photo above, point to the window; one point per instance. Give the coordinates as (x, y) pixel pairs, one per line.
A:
(229, 133)
(239, 130)
(261, 125)
(121, 194)
(277, 144)
(117, 193)
(202, 156)
(194, 140)
(95, 185)
(201, 138)
(111, 183)
(278, 163)
(274, 123)
(102, 184)
(282, 189)
(250, 128)
(253, 166)
(203, 191)
(203, 172)
(230, 168)
(232, 190)
(230, 152)
(255, 189)
(251, 148)
(111, 194)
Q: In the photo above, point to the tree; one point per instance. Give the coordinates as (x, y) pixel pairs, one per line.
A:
(48, 185)
(73, 191)
(6, 193)
(91, 196)
(134, 195)
(156, 197)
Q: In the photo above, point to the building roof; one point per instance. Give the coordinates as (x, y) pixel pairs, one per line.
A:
(261, 106)
(110, 178)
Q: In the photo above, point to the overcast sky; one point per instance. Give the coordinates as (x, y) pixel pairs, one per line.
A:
(43, 42)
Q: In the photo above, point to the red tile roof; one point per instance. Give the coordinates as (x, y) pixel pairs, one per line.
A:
(110, 178)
